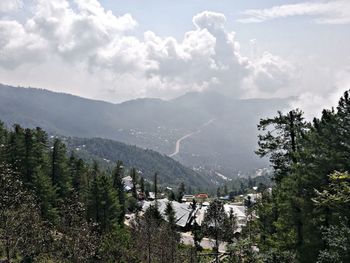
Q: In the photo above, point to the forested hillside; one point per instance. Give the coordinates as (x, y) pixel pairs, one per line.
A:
(148, 162)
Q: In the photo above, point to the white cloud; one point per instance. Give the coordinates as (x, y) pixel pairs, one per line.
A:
(87, 38)
(79, 47)
(209, 20)
(10, 5)
(207, 57)
(313, 101)
(271, 76)
(18, 46)
(324, 12)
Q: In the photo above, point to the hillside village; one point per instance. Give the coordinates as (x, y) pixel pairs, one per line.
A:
(190, 209)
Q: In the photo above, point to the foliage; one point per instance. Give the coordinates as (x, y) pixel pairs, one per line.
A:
(155, 239)
(21, 227)
(171, 172)
(54, 207)
(214, 221)
(337, 238)
(306, 204)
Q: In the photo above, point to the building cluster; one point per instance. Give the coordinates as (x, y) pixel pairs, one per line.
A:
(187, 214)
(192, 208)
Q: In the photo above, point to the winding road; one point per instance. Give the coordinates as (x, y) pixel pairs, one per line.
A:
(178, 142)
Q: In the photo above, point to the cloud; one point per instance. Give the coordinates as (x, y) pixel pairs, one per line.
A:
(10, 5)
(210, 20)
(271, 76)
(80, 47)
(323, 12)
(313, 101)
(207, 57)
(18, 45)
(90, 40)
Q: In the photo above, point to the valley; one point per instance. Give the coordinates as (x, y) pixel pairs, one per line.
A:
(182, 127)
(178, 142)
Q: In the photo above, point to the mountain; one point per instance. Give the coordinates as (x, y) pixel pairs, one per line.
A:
(148, 162)
(218, 133)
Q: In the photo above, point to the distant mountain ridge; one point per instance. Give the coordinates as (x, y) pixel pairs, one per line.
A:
(226, 145)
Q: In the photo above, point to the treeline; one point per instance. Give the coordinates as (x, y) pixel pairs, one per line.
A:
(241, 186)
(306, 218)
(54, 207)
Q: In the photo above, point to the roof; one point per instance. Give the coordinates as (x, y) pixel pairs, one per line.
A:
(200, 212)
(202, 195)
(127, 182)
(238, 210)
(152, 195)
(182, 210)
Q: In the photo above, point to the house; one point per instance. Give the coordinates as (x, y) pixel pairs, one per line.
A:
(200, 198)
(183, 211)
(225, 198)
(128, 185)
(186, 216)
(238, 210)
(188, 198)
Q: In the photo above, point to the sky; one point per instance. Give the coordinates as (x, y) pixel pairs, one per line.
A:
(118, 50)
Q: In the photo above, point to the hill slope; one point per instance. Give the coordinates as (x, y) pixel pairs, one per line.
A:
(148, 162)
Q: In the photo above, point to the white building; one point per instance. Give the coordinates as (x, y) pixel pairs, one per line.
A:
(183, 211)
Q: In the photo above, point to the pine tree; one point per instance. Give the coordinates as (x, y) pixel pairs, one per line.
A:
(181, 191)
(15, 150)
(79, 174)
(213, 224)
(225, 190)
(118, 186)
(41, 182)
(337, 234)
(93, 203)
(282, 140)
(134, 177)
(103, 206)
(155, 185)
(29, 161)
(142, 184)
(145, 231)
(59, 170)
(109, 204)
(170, 214)
(3, 141)
(230, 227)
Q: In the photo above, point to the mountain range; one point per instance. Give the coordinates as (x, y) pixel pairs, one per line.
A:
(206, 131)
